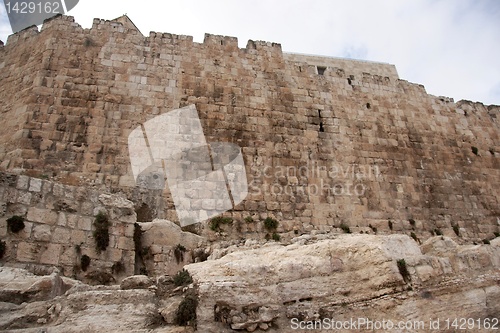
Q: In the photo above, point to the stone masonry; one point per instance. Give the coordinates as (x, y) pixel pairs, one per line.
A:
(326, 141)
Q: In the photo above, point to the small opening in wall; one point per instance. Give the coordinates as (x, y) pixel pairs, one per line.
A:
(321, 70)
(321, 128)
(349, 81)
(221, 42)
(368, 106)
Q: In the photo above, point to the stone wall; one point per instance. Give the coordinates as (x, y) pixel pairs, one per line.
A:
(59, 225)
(351, 145)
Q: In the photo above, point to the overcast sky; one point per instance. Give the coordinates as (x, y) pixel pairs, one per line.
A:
(452, 47)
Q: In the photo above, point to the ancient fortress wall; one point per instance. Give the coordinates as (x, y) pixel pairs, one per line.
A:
(326, 141)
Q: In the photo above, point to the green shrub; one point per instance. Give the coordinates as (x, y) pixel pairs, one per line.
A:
(276, 237)
(456, 229)
(216, 222)
(271, 224)
(412, 222)
(415, 238)
(118, 267)
(101, 231)
(3, 248)
(438, 232)
(179, 253)
(403, 270)
(84, 262)
(182, 278)
(15, 223)
(497, 234)
(186, 312)
(486, 241)
(249, 219)
(345, 228)
(475, 151)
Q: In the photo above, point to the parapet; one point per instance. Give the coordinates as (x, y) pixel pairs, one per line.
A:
(352, 66)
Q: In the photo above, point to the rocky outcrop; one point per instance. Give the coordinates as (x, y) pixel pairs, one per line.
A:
(30, 303)
(348, 277)
(166, 248)
(274, 287)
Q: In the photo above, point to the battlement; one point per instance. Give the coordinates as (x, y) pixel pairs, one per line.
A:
(125, 27)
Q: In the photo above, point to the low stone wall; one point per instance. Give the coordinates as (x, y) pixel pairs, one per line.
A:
(59, 225)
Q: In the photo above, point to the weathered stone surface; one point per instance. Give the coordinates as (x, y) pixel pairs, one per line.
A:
(273, 284)
(166, 233)
(18, 286)
(46, 306)
(169, 308)
(136, 282)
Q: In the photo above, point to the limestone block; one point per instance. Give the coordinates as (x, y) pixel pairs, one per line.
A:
(41, 232)
(23, 182)
(78, 237)
(35, 185)
(136, 282)
(125, 243)
(41, 215)
(169, 307)
(24, 198)
(85, 223)
(28, 252)
(166, 233)
(51, 254)
(61, 235)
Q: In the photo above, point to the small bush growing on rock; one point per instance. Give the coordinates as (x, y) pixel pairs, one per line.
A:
(270, 223)
(276, 237)
(456, 229)
(3, 248)
(403, 270)
(118, 267)
(216, 222)
(438, 232)
(101, 232)
(412, 222)
(15, 223)
(345, 228)
(415, 238)
(249, 219)
(497, 234)
(182, 278)
(475, 151)
(179, 253)
(486, 241)
(186, 312)
(84, 262)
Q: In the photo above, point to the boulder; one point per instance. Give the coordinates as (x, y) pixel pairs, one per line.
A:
(166, 233)
(136, 282)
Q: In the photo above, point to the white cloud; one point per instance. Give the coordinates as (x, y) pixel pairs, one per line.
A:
(449, 46)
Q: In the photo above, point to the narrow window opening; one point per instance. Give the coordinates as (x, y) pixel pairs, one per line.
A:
(368, 106)
(321, 128)
(221, 42)
(321, 70)
(349, 81)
